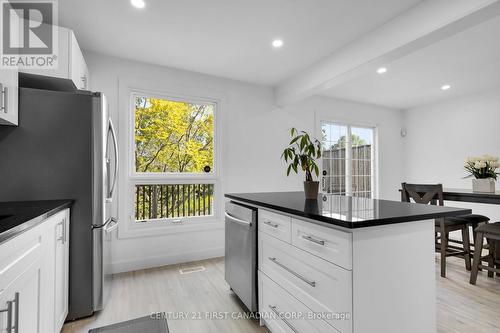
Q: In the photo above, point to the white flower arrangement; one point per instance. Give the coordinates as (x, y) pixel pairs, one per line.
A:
(482, 167)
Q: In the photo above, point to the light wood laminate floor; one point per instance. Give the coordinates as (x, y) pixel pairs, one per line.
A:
(461, 306)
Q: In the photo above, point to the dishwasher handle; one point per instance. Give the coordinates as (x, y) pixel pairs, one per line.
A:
(232, 219)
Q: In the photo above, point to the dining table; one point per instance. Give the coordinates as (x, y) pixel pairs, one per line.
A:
(467, 195)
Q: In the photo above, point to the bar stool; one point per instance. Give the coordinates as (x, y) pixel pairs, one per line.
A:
(491, 232)
(433, 194)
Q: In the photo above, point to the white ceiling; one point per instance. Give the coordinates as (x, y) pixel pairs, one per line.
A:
(227, 38)
(469, 61)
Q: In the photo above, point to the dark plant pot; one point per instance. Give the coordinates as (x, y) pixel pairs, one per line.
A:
(311, 190)
(311, 206)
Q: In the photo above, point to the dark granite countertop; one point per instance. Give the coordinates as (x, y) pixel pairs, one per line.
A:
(344, 211)
(19, 216)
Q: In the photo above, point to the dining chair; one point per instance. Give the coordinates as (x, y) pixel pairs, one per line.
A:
(491, 232)
(433, 194)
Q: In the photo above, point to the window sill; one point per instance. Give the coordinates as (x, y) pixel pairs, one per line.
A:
(159, 228)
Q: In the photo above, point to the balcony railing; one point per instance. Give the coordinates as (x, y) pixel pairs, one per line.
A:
(173, 201)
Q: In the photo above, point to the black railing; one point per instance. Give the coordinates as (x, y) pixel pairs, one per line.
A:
(173, 201)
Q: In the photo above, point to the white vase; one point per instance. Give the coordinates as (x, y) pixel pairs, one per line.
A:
(486, 185)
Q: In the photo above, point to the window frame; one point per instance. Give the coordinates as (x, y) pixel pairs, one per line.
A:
(154, 227)
(374, 160)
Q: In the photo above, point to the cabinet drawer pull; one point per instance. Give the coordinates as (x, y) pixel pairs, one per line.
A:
(311, 283)
(12, 328)
(314, 240)
(273, 225)
(63, 237)
(16, 314)
(4, 92)
(276, 312)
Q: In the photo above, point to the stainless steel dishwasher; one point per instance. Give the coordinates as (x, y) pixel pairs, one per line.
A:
(241, 252)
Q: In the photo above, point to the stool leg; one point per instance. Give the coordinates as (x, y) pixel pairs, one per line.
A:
(478, 248)
(444, 245)
(497, 254)
(491, 257)
(466, 244)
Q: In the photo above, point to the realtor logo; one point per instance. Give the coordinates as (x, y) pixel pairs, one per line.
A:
(29, 34)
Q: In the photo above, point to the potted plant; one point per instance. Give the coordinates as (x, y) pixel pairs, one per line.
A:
(484, 171)
(302, 152)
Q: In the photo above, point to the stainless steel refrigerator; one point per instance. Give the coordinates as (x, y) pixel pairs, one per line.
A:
(65, 148)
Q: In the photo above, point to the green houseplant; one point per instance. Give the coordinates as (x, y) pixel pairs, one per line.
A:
(302, 152)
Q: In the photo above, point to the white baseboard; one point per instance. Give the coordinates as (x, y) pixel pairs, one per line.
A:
(171, 259)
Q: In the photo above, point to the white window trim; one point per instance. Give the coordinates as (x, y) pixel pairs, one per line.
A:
(128, 227)
(375, 160)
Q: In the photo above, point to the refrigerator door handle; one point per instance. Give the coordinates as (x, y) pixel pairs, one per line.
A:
(115, 175)
(110, 221)
(113, 224)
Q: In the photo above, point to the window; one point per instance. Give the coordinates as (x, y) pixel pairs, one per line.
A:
(174, 158)
(348, 160)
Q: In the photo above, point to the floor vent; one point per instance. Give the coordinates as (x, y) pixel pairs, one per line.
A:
(189, 270)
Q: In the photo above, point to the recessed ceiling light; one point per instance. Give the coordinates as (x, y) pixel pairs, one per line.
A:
(138, 3)
(382, 70)
(277, 43)
(445, 87)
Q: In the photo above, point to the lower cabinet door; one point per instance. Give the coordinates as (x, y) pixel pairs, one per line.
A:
(20, 302)
(61, 271)
(281, 312)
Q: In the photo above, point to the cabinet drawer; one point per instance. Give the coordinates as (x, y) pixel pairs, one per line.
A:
(330, 244)
(17, 254)
(283, 313)
(276, 225)
(322, 286)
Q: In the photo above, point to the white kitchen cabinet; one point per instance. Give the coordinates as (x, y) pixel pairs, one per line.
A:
(22, 301)
(71, 64)
(9, 91)
(61, 270)
(344, 280)
(22, 261)
(322, 286)
(79, 71)
(34, 277)
(8, 97)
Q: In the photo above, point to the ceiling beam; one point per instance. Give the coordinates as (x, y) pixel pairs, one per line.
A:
(424, 24)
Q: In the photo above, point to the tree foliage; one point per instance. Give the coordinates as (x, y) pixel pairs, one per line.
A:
(355, 141)
(173, 136)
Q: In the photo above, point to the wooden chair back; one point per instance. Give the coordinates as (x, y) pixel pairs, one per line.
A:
(422, 193)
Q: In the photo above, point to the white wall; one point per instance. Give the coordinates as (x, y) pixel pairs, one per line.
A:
(254, 133)
(442, 135)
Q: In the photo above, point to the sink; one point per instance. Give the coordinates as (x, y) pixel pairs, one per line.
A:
(3, 217)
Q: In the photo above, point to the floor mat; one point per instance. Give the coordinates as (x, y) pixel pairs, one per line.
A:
(139, 325)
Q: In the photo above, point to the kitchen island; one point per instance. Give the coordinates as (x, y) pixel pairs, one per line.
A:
(345, 264)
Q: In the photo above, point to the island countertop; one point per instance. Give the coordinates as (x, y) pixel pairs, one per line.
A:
(345, 211)
(19, 216)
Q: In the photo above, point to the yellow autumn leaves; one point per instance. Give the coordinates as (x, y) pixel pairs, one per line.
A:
(173, 136)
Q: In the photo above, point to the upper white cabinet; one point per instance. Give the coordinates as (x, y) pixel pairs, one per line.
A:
(9, 90)
(79, 71)
(8, 97)
(71, 64)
